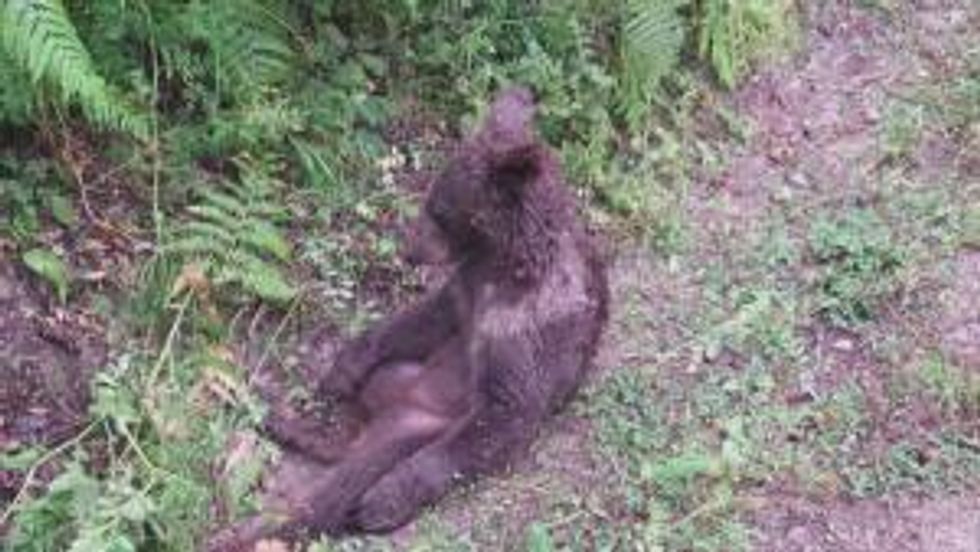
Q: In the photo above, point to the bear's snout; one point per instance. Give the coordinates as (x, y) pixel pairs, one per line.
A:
(424, 243)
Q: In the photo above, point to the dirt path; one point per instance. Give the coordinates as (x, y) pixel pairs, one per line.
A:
(820, 138)
(901, 525)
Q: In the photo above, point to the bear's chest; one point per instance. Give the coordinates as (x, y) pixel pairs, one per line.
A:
(560, 294)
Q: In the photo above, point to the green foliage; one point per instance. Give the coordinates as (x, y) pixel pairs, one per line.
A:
(731, 33)
(539, 539)
(40, 37)
(761, 325)
(682, 474)
(970, 232)
(231, 233)
(49, 266)
(16, 95)
(77, 501)
(652, 43)
(19, 201)
(902, 129)
(956, 389)
(155, 432)
(858, 264)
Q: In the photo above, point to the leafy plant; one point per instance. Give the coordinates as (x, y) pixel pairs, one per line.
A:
(40, 37)
(858, 263)
(49, 266)
(902, 129)
(652, 43)
(232, 235)
(731, 33)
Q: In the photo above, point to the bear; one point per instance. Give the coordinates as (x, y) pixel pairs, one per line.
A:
(456, 386)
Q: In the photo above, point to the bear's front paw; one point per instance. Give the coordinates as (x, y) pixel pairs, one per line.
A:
(386, 506)
(350, 367)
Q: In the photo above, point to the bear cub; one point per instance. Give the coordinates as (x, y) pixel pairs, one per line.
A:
(456, 385)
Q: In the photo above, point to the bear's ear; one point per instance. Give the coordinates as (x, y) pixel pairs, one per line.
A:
(508, 123)
(514, 170)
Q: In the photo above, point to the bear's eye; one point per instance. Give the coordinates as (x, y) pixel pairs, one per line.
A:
(440, 212)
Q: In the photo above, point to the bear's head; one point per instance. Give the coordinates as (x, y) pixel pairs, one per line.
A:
(497, 195)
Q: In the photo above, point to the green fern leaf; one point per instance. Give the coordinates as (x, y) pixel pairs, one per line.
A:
(265, 238)
(250, 43)
(653, 37)
(224, 201)
(258, 277)
(730, 35)
(318, 171)
(229, 221)
(196, 246)
(233, 230)
(221, 234)
(41, 38)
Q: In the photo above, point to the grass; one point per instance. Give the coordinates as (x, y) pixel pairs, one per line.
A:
(795, 350)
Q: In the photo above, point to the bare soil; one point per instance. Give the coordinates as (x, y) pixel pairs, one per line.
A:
(817, 141)
(898, 525)
(47, 356)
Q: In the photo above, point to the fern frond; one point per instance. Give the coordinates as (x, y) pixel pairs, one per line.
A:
(732, 34)
(250, 42)
(653, 36)
(16, 101)
(231, 232)
(265, 238)
(257, 276)
(716, 39)
(41, 38)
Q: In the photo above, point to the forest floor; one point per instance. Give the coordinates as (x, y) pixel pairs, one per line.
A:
(803, 373)
(800, 373)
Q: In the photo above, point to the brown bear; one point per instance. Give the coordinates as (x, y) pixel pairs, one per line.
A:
(455, 385)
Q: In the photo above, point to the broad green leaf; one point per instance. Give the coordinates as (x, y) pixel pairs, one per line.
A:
(46, 264)
(62, 210)
(20, 460)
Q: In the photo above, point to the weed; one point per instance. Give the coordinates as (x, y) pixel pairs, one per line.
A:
(686, 487)
(902, 130)
(956, 389)
(732, 34)
(970, 230)
(30, 190)
(244, 118)
(858, 263)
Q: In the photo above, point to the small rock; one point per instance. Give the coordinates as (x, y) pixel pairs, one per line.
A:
(844, 345)
(797, 179)
(271, 546)
(798, 535)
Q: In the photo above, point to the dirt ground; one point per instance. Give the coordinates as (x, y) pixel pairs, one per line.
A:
(817, 126)
(47, 356)
(900, 525)
(815, 139)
